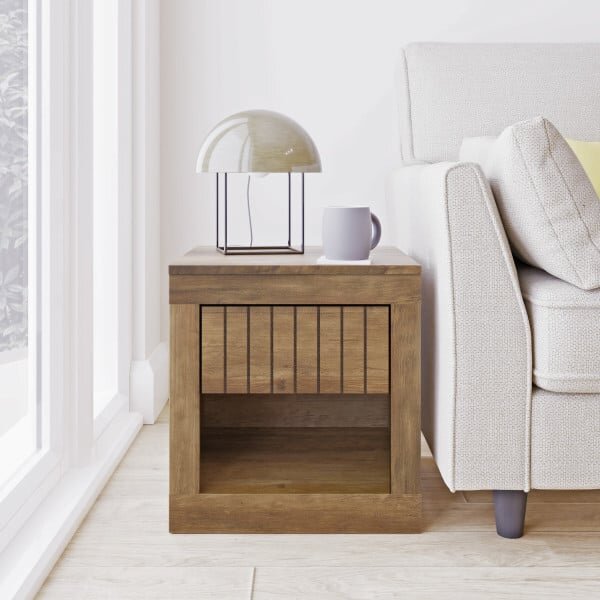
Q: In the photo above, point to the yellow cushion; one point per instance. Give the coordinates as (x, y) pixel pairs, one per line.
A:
(588, 154)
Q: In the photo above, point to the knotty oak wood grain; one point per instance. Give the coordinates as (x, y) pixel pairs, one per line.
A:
(405, 409)
(288, 460)
(330, 349)
(245, 333)
(295, 410)
(306, 349)
(295, 513)
(283, 350)
(318, 334)
(185, 399)
(237, 349)
(353, 350)
(377, 349)
(293, 289)
(213, 349)
(260, 349)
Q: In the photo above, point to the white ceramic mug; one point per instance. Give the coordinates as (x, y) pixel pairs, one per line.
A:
(349, 232)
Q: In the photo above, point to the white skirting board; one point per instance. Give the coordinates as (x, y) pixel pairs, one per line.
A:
(149, 384)
(33, 552)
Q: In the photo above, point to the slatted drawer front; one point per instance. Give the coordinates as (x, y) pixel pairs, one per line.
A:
(295, 349)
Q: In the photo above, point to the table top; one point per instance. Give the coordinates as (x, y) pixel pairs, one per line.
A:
(206, 260)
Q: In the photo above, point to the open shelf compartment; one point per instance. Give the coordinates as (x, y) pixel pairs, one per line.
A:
(303, 460)
(298, 445)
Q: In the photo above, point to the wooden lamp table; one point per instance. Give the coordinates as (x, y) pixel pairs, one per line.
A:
(295, 394)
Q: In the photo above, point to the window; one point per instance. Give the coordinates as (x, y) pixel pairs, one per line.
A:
(20, 434)
(65, 268)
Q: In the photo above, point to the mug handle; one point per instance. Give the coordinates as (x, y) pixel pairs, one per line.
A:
(376, 224)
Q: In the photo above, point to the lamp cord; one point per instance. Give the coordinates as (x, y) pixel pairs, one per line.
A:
(249, 213)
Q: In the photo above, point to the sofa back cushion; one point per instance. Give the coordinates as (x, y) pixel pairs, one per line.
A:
(451, 91)
(549, 208)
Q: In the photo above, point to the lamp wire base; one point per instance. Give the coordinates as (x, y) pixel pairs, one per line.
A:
(289, 248)
(230, 250)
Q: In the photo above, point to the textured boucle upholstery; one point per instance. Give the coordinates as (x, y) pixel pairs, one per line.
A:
(476, 342)
(451, 91)
(565, 323)
(565, 441)
(486, 424)
(548, 205)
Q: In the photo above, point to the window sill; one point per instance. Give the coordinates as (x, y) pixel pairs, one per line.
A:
(31, 554)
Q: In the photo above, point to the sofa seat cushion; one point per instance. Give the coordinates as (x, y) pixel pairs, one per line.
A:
(565, 324)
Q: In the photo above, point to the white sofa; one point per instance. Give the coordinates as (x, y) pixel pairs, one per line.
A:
(511, 355)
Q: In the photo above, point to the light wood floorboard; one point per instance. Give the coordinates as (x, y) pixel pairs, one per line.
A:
(387, 583)
(197, 583)
(123, 548)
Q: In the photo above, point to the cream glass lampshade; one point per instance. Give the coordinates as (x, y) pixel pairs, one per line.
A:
(260, 142)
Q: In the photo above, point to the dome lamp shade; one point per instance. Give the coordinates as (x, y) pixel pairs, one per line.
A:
(258, 142)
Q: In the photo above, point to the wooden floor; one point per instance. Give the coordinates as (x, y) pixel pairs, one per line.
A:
(123, 549)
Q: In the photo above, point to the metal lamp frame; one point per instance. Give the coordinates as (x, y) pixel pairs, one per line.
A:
(225, 248)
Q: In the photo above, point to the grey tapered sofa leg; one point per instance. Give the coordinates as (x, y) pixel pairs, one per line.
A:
(509, 506)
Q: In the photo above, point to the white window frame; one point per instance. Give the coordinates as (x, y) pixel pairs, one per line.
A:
(122, 164)
(79, 454)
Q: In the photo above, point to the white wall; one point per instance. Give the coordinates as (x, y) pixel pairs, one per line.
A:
(329, 64)
(146, 180)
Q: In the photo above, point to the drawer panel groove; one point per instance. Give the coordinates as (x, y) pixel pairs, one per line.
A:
(283, 350)
(330, 344)
(377, 362)
(236, 350)
(353, 345)
(213, 349)
(288, 349)
(306, 350)
(260, 340)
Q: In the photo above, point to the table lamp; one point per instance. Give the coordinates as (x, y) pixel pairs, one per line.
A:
(258, 142)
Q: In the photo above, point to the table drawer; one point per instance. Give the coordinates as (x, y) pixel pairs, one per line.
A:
(294, 349)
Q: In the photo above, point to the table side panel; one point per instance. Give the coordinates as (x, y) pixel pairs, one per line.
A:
(405, 397)
(184, 428)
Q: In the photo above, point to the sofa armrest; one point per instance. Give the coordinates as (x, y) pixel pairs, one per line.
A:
(476, 337)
